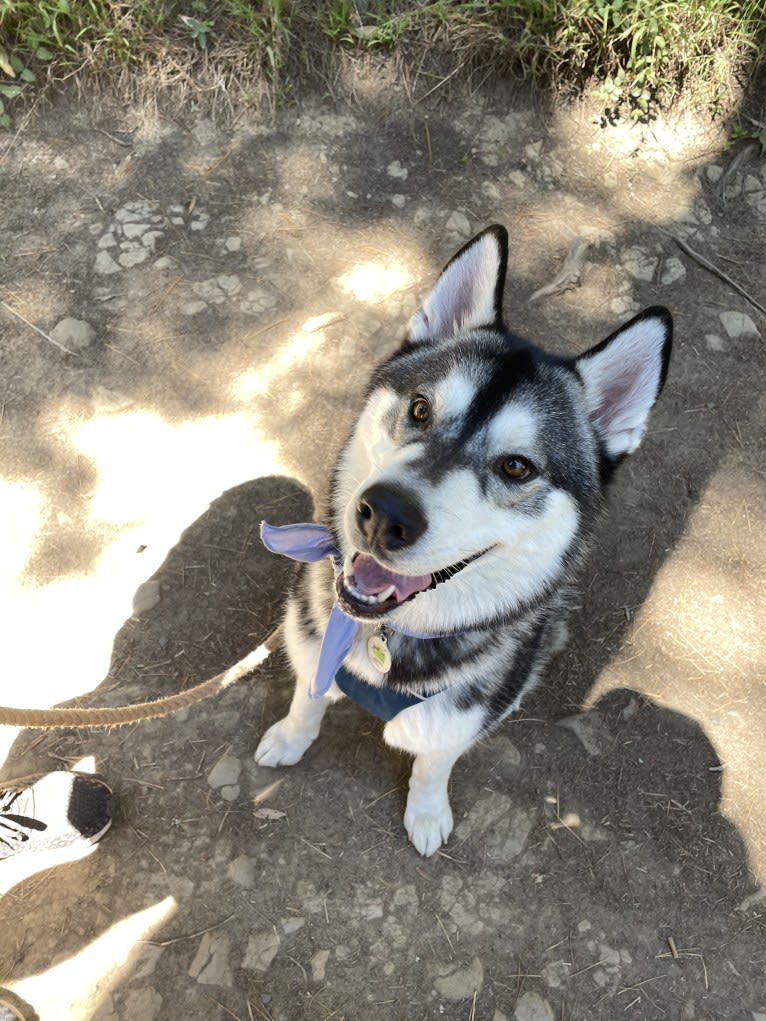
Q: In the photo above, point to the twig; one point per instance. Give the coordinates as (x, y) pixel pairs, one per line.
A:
(182, 939)
(37, 329)
(570, 273)
(714, 269)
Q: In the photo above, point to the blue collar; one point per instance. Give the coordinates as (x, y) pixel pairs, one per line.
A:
(310, 543)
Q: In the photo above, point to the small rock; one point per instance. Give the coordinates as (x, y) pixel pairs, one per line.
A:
(75, 334)
(191, 308)
(624, 305)
(491, 191)
(738, 324)
(672, 271)
(107, 240)
(229, 792)
(233, 244)
(533, 150)
(146, 597)
(519, 178)
(134, 230)
(752, 184)
(229, 283)
(261, 951)
(242, 871)
(144, 1003)
(713, 173)
(396, 170)
(461, 983)
(150, 238)
(211, 962)
(398, 201)
(291, 925)
(714, 342)
(225, 772)
(134, 258)
(640, 264)
(200, 222)
(587, 728)
(459, 223)
(105, 264)
(164, 262)
(319, 964)
(532, 1007)
(177, 221)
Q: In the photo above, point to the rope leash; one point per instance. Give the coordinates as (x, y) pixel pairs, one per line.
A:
(118, 716)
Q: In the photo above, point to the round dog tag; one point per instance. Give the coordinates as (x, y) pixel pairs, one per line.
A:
(377, 650)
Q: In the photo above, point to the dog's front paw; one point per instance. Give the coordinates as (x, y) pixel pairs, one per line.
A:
(283, 744)
(428, 830)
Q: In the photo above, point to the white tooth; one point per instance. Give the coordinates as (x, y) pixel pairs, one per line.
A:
(386, 593)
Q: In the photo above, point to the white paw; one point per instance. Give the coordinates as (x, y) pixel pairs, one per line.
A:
(428, 830)
(283, 744)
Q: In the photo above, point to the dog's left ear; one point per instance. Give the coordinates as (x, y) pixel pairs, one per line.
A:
(469, 291)
(623, 377)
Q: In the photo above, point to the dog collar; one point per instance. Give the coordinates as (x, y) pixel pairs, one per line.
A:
(309, 543)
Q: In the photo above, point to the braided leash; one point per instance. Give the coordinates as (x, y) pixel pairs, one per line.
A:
(118, 716)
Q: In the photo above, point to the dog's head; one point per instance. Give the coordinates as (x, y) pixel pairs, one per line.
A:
(479, 460)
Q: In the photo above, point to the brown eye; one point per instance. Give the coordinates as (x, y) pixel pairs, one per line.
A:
(420, 410)
(517, 468)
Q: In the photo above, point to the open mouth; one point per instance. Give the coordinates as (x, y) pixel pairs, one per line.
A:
(372, 591)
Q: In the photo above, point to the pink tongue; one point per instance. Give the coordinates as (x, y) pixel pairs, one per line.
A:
(370, 578)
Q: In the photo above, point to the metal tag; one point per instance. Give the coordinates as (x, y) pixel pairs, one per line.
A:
(377, 651)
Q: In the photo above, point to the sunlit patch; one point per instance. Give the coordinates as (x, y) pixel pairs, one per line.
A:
(374, 281)
(74, 989)
(21, 507)
(296, 349)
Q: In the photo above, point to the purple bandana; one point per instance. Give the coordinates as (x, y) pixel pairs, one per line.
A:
(310, 543)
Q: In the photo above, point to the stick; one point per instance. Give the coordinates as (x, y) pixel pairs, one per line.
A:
(714, 269)
(32, 326)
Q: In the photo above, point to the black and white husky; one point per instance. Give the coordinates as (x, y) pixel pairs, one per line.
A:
(460, 508)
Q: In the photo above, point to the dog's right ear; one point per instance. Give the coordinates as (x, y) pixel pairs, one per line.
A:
(469, 291)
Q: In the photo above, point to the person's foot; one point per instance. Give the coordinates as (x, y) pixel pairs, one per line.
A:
(60, 810)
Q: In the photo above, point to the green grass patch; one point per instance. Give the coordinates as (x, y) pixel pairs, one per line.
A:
(634, 54)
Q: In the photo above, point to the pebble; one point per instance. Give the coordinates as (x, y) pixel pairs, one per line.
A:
(133, 258)
(319, 965)
(459, 223)
(75, 334)
(146, 597)
(396, 170)
(191, 308)
(398, 201)
(261, 951)
(461, 983)
(229, 792)
(211, 962)
(225, 772)
(713, 173)
(640, 264)
(490, 191)
(532, 1007)
(105, 264)
(233, 244)
(738, 324)
(242, 871)
(143, 1003)
(672, 271)
(714, 342)
(107, 240)
(587, 728)
(134, 230)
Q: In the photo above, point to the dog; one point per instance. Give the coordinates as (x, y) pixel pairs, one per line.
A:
(460, 511)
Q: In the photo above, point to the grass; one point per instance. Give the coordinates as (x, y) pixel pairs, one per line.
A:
(634, 54)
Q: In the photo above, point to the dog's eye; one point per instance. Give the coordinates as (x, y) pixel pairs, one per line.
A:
(517, 468)
(420, 410)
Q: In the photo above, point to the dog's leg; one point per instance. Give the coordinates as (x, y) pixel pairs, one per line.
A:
(437, 734)
(284, 742)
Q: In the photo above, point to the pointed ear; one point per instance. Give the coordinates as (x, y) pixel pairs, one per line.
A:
(469, 291)
(623, 377)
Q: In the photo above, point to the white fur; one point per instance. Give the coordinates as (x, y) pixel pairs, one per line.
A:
(463, 297)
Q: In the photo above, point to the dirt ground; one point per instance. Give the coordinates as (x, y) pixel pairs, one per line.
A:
(239, 280)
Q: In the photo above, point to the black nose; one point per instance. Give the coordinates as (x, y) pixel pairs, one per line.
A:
(389, 517)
